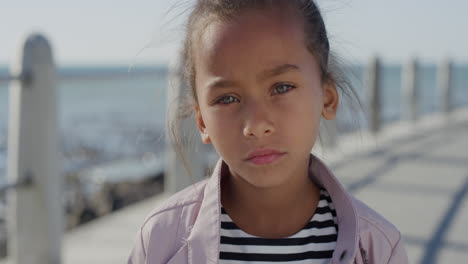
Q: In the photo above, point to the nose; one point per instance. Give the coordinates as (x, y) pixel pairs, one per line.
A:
(258, 123)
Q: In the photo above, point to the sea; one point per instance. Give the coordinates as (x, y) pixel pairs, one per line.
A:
(107, 120)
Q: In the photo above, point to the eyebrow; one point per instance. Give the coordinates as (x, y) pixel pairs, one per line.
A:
(277, 70)
(219, 83)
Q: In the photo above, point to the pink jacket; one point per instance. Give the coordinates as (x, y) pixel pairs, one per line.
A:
(185, 228)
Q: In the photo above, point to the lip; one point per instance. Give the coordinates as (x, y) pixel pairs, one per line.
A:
(264, 156)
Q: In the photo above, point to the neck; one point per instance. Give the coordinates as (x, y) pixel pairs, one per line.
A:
(271, 212)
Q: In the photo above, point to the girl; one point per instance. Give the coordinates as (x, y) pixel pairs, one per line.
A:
(260, 76)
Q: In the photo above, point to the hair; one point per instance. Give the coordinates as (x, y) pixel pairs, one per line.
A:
(207, 11)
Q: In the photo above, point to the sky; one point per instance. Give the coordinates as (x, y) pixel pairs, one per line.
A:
(149, 31)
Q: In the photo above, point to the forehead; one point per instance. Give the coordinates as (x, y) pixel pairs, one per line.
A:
(249, 43)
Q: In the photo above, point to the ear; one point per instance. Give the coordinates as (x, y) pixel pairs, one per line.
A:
(330, 100)
(201, 126)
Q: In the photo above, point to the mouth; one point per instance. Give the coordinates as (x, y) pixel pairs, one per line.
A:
(264, 156)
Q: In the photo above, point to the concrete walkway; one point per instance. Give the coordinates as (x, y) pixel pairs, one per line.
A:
(419, 183)
(109, 239)
(414, 175)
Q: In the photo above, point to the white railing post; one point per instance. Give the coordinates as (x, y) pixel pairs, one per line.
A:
(176, 176)
(35, 212)
(444, 79)
(374, 100)
(410, 94)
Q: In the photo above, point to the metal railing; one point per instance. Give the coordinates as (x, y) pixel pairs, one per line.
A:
(6, 79)
(87, 76)
(107, 75)
(24, 77)
(27, 180)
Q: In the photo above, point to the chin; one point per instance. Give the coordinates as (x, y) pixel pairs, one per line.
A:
(268, 183)
(267, 177)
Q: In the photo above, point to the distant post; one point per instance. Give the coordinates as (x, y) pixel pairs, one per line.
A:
(328, 133)
(410, 94)
(444, 79)
(34, 220)
(182, 171)
(374, 100)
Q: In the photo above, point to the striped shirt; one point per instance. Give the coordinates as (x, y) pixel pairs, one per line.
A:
(313, 244)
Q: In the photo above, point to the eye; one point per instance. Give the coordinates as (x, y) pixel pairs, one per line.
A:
(282, 88)
(227, 100)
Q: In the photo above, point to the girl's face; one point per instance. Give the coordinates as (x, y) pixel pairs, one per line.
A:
(258, 87)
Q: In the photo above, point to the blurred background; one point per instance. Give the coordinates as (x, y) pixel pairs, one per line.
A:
(112, 60)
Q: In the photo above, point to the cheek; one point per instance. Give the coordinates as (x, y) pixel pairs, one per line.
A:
(225, 131)
(222, 123)
(306, 105)
(304, 115)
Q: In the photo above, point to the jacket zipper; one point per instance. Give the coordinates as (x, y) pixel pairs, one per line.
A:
(364, 256)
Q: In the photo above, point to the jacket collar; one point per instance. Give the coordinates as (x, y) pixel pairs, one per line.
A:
(204, 243)
(348, 233)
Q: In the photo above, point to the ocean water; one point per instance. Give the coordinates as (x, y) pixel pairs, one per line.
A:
(114, 119)
(103, 120)
(391, 85)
